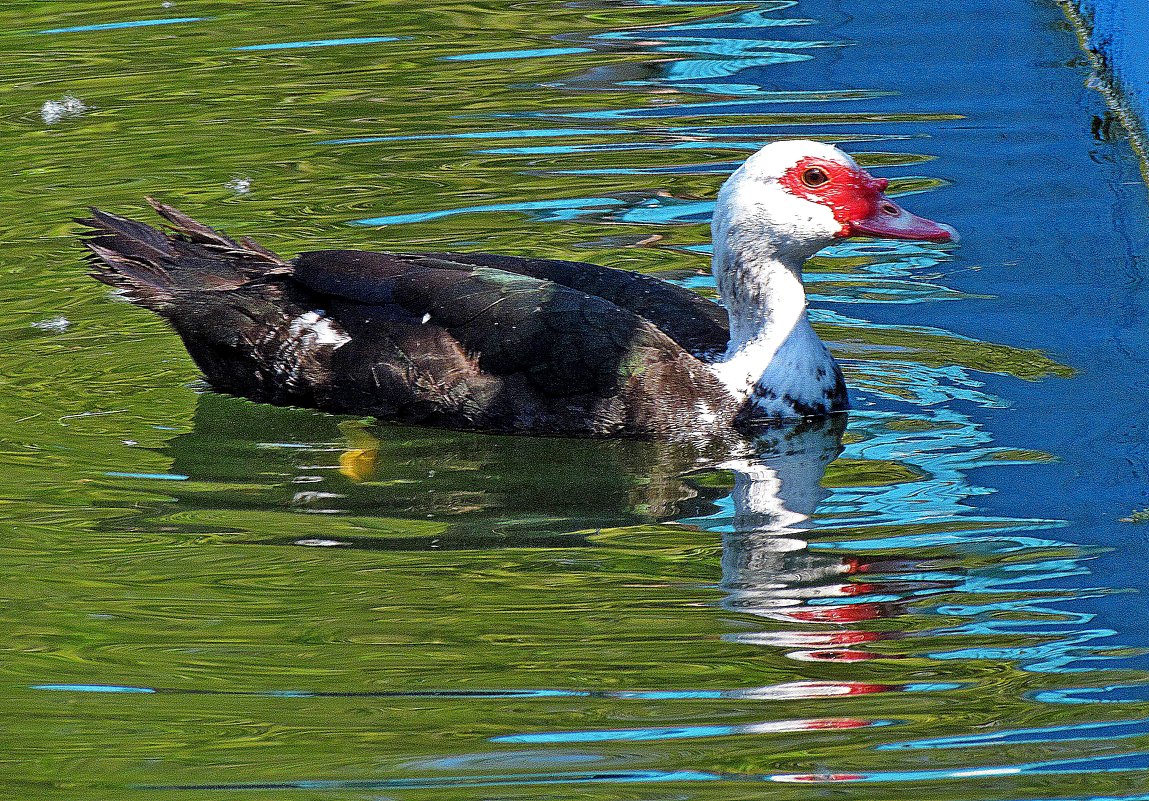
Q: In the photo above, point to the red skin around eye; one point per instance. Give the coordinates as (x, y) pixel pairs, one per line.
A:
(851, 194)
(855, 199)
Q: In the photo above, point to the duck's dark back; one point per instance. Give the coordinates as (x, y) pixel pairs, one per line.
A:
(468, 341)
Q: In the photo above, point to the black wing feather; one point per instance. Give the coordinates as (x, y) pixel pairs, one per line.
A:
(567, 342)
(460, 340)
(695, 323)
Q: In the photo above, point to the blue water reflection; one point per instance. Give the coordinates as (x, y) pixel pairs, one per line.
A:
(113, 26)
(1080, 731)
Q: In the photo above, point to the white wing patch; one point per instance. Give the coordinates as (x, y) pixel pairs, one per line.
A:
(312, 328)
(307, 332)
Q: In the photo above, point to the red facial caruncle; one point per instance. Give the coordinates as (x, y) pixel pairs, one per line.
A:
(856, 198)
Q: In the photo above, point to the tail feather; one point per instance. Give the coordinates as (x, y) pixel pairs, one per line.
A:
(129, 237)
(254, 247)
(148, 284)
(152, 267)
(193, 230)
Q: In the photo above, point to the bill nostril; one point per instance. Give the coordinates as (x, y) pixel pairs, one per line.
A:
(890, 208)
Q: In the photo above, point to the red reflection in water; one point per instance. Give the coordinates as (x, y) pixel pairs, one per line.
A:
(820, 689)
(815, 639)
(819, 777)
(850, 613)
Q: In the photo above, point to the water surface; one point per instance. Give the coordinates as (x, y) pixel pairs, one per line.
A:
(208, 598)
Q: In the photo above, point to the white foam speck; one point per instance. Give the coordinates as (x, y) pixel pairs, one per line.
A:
(55, 110)
(426, 318)
(53, 324)
(318, 543)
(241, 186)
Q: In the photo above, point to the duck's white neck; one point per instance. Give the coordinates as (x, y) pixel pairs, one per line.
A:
(774, 359)
(763, 295)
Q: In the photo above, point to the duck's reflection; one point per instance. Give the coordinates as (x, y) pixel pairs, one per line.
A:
(766, 565)
(775, 493)
(767, 568)
(329, 482)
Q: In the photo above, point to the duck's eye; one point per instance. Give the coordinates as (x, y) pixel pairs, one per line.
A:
(814, 176)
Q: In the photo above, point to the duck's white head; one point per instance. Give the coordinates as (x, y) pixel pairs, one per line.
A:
(784, 204)
(795, 197)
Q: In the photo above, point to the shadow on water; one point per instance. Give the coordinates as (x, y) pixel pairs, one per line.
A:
(471, 491)
(475, 491)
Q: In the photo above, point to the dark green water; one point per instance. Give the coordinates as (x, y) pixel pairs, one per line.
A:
(205, 598)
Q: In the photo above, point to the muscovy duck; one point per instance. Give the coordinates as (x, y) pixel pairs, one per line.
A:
(508, 344)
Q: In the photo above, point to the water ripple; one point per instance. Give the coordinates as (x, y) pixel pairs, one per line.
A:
(688, 732)
(1120, 763)
(503, 55)
(111, 26)
(1116, 730)
(353, 40)
(244, 594)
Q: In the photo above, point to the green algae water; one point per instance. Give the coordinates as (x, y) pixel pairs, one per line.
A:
(206, 598)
